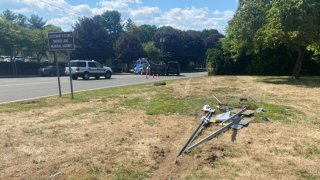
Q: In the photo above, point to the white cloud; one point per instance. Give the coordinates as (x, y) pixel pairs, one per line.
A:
(45, 4)
(82, 9)
(57, 12)
(60, 13)
(188, 18)
(225, 15)
(97, 11)
(56, 7)
(144, 11)
(187, 14)
(65, 23)
(23, 10)
(181, 18)
(123, 6)
(118, 4)
(132, 9)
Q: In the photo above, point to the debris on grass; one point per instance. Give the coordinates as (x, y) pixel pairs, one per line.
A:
(260, 110)
(54, 175)
(235, 120)
(159, 83)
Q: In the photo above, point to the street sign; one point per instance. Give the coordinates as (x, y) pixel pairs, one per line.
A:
(60, 41)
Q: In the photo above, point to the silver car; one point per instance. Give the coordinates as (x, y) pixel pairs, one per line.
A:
(87, 69)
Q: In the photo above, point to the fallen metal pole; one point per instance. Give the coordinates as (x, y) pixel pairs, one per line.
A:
(192, 137)
(219, 131)
(211, 136)
(195, 133)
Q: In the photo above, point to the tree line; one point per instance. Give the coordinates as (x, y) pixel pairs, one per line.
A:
(104, 37)
(107, 38)
(21, 35)
(275, 37)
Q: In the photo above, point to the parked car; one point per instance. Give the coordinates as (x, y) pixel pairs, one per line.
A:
(173, 67)
(51, 71)
(18, 59)
(87, 69)
(30, 59)
(5, 59)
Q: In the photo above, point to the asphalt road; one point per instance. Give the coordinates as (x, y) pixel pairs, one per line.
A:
(20, 89)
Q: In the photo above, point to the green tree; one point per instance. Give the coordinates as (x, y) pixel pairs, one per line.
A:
(9, 15)
(152, 52)
(18, 37)
(8, 35)
(129, 25)
(241, 32)
(22, 41)
(14, 39)
(208, 32)
(128, 48)
(169, 41)
(186, 47)
(111, 22)
(217, 62)
(92, 41)
(263, 26)
(19, 20)
(52, 28)
(22, 20)
(315, 48)
(144, 32)
(39, 40)
(36, 22)
(295, 23)
(211, 38)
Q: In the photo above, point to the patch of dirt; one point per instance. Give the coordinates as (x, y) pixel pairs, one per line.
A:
(159, 154)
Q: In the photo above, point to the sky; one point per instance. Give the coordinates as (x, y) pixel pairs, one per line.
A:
(180, 14)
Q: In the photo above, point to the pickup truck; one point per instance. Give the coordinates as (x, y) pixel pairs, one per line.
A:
(173, 67)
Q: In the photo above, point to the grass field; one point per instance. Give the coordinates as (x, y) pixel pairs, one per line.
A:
(136, 132)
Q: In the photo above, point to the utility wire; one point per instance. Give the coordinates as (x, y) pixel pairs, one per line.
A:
(63, 10)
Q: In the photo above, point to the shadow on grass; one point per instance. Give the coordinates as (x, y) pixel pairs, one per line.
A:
(308, 82)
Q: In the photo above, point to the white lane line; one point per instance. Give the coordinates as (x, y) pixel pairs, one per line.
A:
(8, 81)
(8, 85)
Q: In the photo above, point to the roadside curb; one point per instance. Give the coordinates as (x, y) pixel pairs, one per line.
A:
(18, 76)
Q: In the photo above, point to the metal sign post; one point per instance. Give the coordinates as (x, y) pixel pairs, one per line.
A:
(70, 75)
(58, 73)
(61, 41)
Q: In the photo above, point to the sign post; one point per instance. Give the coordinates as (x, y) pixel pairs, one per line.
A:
(58, 73)
(70, 76)
(61, 41)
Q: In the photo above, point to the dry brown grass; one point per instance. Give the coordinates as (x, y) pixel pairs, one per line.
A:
(94, 140)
